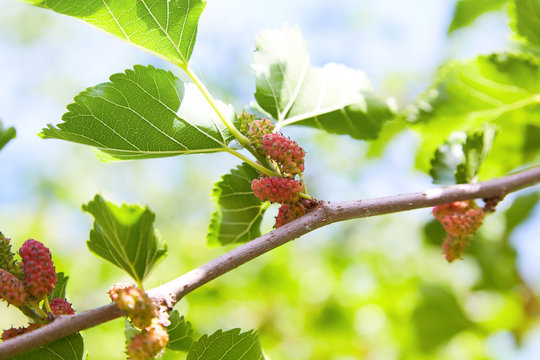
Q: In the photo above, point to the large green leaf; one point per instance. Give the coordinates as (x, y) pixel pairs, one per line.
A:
(143, 113)
(126, 237)
(6, 135)
(68, 348)
(166, 28)
(228, 345)
(181, 335)
(467, 11)
(333, 98)
(525, 20)
(499, 89)
(238, 213)
(458, 160)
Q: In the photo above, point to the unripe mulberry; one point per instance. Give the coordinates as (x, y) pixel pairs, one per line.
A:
(38, 269)
(289, 212)
(61, 307)
(277, 189)
(461, 218)
(148, 343)
(257, 130)
(7, 260)
(14, 332)
(454, 247)
(285, 152)
(135, 304)
(12, 289)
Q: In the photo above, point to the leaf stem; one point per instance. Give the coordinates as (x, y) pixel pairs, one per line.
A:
(257, 166)
(244, 141)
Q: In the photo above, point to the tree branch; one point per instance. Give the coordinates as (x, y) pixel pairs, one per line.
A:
(326, 213)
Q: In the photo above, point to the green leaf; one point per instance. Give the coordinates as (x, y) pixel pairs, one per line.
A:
(238, 213)
(166, 28)
(333, 98)
(143, 113)
(458, 160)
(500, 89)
(60, 287)
(126, 237)
(437, 317)
(521, 210)
(181, 335)
(68, 348)
(525, 20)
(6, 135)
(467, 11)
(228, 345)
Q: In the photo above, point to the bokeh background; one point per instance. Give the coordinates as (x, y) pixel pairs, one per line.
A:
(367, 289)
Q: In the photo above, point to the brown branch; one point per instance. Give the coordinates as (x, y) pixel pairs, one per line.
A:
(326, 213)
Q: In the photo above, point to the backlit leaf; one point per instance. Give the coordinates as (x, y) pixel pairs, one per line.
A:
(181, 335)
(333, 98)
(467, 11)
(238, 213)
(143, 113)
(68, 348)
(126, 237)
(525, 20)
(6, 135)
(228, 345)
(166, 28)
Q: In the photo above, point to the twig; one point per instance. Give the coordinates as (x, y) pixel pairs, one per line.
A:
(170, 293)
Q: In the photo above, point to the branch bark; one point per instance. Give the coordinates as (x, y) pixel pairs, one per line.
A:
(326, 213)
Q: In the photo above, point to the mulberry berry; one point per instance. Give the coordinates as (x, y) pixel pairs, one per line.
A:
(454, 247)
(285, 152)
(289, 212)
(135, 304)
(12, 289)
(277, 189)
(61, 307)
(257, 130)
(7, 261)
(14, 332)
(148, 343)
(38, 269)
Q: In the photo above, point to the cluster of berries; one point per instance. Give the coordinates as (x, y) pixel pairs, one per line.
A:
(460, 220)
(287, 157)
(145, 315)
(27, 283)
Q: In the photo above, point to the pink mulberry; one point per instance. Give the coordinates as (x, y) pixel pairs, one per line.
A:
(277, 189)
(12, 289)
(61, 307)
(135, 304)
(285, 152)
(148, 343)
(14, 332)
(38, 269)
(257, 130)
(289, 212)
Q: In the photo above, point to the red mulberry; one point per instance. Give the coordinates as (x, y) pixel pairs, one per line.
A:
(14, 332)
(289, 212)
(277, 190)
(12, 289)
(148, 343)
(285, 152)
(38, 269)
(61, 307)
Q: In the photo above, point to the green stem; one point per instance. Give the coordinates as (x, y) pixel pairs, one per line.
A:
(244, 141)
(305, 196)
(47, 305)
(259, 167)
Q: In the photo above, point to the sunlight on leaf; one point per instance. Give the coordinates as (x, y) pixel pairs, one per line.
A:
(467, 11)
(68, 348)
(181, 335)
(228, 345)
(525, 20)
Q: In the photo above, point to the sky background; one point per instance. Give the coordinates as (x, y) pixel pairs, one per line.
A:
(46, 58)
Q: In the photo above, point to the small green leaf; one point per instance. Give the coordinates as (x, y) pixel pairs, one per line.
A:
(525, 20)
(458, 160)
(181, 335)
(437, 317)
(500, 89)
(68, 348)
(238, 213)
(228, 345)
(126, 237)
(166, 28)
(143, 113)
(467, 11)
(334, 98)
(6, 135)
(60, 287)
